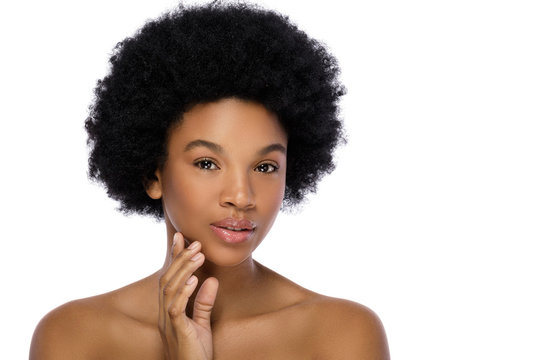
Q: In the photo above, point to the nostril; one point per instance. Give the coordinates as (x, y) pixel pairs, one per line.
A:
(237, 192)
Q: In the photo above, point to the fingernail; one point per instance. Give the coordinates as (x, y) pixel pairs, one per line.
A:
(196, 257)
(193, 245)
(175, 239)
(191, 280)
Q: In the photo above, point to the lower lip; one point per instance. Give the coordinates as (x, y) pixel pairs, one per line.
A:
(230, 236)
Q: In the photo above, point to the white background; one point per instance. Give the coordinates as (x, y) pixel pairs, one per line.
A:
(431, 218)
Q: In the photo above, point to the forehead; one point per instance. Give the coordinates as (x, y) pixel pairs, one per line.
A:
(230, 122)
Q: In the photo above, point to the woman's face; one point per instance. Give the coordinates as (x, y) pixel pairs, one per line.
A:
(224, 178)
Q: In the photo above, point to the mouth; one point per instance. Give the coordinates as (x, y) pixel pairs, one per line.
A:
(233, 224)
(234, 231)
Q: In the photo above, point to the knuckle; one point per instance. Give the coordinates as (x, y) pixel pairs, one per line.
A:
(163, 281)
(184, 291)
(185, 255)
(203, 307)
(167, 290)
(173, 312)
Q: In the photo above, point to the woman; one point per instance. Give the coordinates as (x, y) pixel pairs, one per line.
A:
(212, 118)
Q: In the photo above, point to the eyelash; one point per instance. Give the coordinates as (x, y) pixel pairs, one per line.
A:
(199, 163)
(275, 168)
(208, 164)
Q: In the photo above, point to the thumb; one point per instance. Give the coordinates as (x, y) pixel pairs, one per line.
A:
(204, 302)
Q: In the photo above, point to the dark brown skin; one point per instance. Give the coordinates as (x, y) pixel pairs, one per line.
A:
(235, 308)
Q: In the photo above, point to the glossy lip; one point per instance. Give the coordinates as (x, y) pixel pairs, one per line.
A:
(233, 231)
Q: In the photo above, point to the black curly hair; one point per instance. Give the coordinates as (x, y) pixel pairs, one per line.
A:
(201, 54)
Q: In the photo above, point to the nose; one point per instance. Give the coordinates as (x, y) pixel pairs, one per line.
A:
(237, 191)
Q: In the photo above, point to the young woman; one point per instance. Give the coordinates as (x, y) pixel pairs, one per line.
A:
(212, 118)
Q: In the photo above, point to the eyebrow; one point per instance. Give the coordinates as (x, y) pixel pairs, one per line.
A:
(219, 149)
(273, 147)
(208, 144)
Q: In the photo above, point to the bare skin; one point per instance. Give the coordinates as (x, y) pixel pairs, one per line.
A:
(233, 307)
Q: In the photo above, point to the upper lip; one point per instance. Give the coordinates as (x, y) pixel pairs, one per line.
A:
(237, 224)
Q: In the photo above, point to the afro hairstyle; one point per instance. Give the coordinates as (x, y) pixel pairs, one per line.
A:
(201, 54)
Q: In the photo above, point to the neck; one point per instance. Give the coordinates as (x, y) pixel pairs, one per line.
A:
(236, 288)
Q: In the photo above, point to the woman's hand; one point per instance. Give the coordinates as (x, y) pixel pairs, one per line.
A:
(185, 338)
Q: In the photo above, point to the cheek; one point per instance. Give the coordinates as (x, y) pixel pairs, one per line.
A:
(186, 200)
(274, 198)
(270, 197)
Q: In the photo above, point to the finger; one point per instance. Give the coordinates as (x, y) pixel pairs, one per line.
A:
(178, 246)
(178, 261)
(179, 279)
(187, 264)
(180, 242)
(204, 302)
(177, 309)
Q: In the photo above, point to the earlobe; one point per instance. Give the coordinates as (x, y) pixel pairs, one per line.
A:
(153, 186)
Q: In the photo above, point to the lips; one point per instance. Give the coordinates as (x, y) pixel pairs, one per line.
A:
(233, 230)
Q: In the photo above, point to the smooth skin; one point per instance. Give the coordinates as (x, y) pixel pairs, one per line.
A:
(211, 300)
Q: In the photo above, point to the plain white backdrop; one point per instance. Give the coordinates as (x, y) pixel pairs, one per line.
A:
(432, 217)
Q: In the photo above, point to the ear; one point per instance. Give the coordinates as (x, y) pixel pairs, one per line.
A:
(153, 186)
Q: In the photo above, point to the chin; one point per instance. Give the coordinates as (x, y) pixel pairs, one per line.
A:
(226, 258)
(228, 255)
(225, 262)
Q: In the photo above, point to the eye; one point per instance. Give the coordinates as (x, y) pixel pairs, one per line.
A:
(206, 164)
(266, 168)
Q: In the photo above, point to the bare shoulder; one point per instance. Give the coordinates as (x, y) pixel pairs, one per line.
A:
(72, 331)
(329, 328)
(346, 330)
